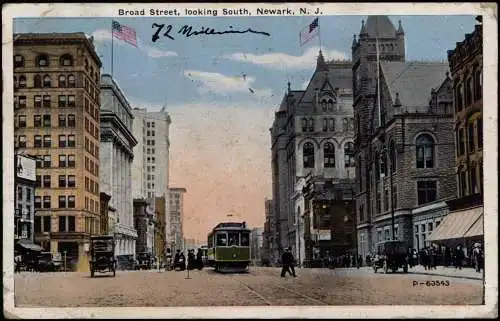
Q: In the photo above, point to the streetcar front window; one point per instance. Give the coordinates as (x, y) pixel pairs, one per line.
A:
(245, 239)
(234, 238)
(221, 239)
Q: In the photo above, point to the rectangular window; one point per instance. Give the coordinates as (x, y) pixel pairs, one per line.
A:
(331, 124)
(325, 124)
(46, 181)
(62, 141)
(62, 161)
(46, 121)
(38, 202)
(470, 138)
(71, 161)
(62, 121)
(71, 201)
(46, 201)
(22, 141)
(38, 141)
(427, 191)
(39, 161)
(47, 161)
(71, 101)
(62, 223)
(62, 101)
(37, 101)
(46, 224)
(38, 224)
(22, 121)
(71, 141)
(46, 101)
(71, 181)
(71, 224)
(38, 181)
(62, 180)
(62, 201)
(71, 120)
(37, 121)
(47, 141)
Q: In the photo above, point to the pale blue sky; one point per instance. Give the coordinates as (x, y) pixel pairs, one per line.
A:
(220, 142)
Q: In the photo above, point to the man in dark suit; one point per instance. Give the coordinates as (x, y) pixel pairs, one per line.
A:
(287, 261)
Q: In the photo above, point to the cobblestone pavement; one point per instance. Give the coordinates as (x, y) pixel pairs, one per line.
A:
(261, 286)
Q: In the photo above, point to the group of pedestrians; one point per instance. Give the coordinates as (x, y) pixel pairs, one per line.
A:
(431, 257)
(194, 261)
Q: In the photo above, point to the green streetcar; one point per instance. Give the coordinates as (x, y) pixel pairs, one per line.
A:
(229, 247)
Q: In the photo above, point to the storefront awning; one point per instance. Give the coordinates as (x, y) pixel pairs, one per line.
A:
(458, 225)
(28, 245)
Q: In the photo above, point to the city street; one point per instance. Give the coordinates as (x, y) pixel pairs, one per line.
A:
(262, 286)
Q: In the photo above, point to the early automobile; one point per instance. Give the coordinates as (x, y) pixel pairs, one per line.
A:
(102, 254)
(391, 255)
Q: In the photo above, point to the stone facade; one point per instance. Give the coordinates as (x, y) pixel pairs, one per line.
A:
(56, 92)
(311, 137)
(404, 142)
(116, 151)
(24, 198)
(269, 240)
(176, 234)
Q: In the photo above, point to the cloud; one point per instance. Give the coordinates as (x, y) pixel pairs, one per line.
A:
(223, 85)
(284, 61)
(221, 153)
(103, 35)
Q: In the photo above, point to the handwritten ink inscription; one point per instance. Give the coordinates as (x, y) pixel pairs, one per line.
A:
(188, 31)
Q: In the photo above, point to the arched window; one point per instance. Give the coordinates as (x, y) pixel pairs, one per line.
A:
(62, 81)
(323, 104)
(392, 153)
(469, 91)
(310, 124)
(329, 105)
(478, 85)
(71, 81)
(377, 166)
(349, 160)
(37, 81)
(18, 61)
(459, 97)
(42, 60)
(425, 151)
(47, 82)
(308, 155)
(22, 81)
(329, 155)
(66, 60)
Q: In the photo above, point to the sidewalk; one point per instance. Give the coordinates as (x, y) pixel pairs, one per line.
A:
(466, 273)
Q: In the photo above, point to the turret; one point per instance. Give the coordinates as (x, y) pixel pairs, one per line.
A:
(400, 31)
(354, 42)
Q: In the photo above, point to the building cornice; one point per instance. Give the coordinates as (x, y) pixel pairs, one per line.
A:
(107, 117)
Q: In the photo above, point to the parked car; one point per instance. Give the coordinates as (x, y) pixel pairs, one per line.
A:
(391, 255)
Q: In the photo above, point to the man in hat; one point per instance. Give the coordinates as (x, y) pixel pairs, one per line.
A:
(477, 255)
(287, 261)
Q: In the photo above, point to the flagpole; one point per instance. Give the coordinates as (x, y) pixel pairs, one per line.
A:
(319, 34)
(112, 43)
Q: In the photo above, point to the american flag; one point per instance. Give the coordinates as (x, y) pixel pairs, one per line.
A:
(309, 32)
(124, 33)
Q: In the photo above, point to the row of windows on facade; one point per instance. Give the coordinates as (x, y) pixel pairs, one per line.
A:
(151, 169)
(91, 166)
(151, 159)
(387, 231)
(45, 101)
(91, 129)
(64, 181)
(150, 133)
(91, 148)
(328, 155)
(474, 140)
(308, 124)
(150, 125)
(23, 194)
(64, 141)
(426, 193)
(65, 60)
(66, 224)
(469, 89)
(422, 231)
(65, 161)
(150, 142)
(469, 181)
(45, 121)
(65, 201)
(149, 150)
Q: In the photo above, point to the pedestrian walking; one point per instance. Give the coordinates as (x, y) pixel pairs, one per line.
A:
(459, 257)
(477, 254)
(287, 261)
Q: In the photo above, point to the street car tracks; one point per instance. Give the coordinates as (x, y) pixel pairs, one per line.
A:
(279, 295)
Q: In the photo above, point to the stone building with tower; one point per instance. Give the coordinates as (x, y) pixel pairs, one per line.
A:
(312, 164)
(176, 219)
(403, 138)
(56, 92)
(116, 156)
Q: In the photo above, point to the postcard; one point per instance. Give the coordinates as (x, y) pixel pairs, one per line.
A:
(250, 160)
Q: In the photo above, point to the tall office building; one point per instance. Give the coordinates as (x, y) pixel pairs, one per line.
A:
(150, 168)
(176, 235)
(57, 87)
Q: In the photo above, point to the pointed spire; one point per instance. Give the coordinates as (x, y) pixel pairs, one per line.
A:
(400, 27)
(363, 28)
(354, 42)
(320, 63)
